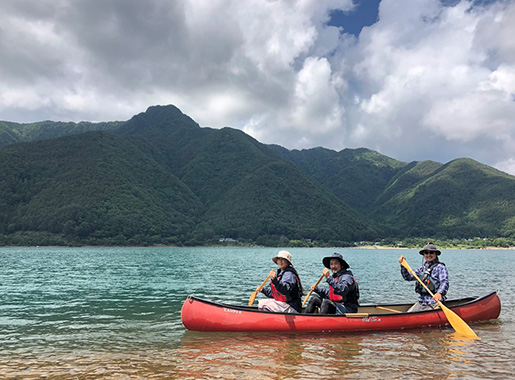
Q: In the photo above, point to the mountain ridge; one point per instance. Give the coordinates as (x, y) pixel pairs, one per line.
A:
(178, 183)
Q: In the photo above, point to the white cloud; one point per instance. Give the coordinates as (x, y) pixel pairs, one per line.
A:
(428, 82)
(507, 166)
(424, 82)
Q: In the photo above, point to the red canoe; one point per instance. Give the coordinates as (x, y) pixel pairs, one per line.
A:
(202, 315)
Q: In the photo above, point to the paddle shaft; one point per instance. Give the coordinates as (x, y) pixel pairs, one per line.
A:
(456, 322)
(388, 309)
(311, 291)
(253, 295)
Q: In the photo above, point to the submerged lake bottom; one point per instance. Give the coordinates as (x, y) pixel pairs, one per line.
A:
(402, 355)
(105, 313)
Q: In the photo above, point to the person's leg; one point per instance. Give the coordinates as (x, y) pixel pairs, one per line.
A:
(343, 309)
(266, 304)
(275, 306)
(419, 307)
(313, 303)
(328, 307)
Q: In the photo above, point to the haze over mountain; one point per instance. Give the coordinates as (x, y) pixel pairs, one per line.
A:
(159, 178)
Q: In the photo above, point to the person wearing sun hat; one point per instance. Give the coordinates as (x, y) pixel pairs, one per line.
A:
(285, 289)
(433, 273)
(343, 294)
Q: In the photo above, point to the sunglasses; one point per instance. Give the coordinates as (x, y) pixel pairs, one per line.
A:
(429, 253)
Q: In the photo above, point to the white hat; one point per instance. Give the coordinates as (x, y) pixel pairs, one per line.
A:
(283, 255)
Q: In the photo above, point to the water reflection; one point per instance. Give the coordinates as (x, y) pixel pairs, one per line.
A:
(436, 354)
(456, 344)
(265, 356)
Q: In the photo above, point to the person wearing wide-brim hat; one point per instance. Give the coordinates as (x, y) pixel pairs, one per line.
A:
(433, 273)
(285, 290)
(342, 296)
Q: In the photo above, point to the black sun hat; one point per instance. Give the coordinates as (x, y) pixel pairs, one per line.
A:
(430, 247)
(327, 261)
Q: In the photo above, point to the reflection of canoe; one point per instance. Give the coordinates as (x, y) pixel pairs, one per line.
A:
(202, 315)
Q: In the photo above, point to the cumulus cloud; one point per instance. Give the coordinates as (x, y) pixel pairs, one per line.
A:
(426, 81)
(433, 86)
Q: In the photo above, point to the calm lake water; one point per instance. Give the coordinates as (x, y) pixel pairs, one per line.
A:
(114, 313)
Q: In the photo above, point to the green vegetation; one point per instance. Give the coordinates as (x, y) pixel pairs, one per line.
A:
(11, 133)
(417, 243)
(161, 179)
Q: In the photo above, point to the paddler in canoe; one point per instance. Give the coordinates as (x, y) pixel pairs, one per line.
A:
(433, 273)
(285, 289)
(343, 293)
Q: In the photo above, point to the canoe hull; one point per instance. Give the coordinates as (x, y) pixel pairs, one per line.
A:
(202, 315)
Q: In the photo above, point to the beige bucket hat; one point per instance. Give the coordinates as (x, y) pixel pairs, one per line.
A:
(282, 255)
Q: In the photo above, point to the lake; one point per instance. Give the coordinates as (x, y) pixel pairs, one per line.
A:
(114, 313)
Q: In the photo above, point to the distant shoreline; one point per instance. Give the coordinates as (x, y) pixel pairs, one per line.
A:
(479, 249)
(242, 246)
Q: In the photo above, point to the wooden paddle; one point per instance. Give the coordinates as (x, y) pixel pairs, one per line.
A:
(253, 295)
(388, 309)
(311, 291)
(456, 322)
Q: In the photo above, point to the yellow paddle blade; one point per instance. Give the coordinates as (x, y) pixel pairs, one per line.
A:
(253, 295)
(457, 323)
(252, 298)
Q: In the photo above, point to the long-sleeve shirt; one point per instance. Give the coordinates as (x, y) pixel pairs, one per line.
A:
(439, 273)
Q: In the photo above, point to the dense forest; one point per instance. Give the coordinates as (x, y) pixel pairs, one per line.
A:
(159, 178)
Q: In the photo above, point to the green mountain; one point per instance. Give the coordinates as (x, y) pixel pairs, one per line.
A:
(11, 133)
(462, 198)
(227, 169)
(356, 176)
(159, 178)
(95, 188)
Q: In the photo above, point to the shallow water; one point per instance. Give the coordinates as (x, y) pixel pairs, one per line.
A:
(114, 313)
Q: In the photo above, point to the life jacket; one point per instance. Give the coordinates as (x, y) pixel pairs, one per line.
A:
(332, 296)
(275, 293)
(352, 297)
(284, 297)
(432, 283)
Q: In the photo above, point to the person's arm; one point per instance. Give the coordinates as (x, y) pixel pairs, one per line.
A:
(286, 284)
(443, 279)
(407, 275)
(322, 292)
(267, 291)
(404, 272)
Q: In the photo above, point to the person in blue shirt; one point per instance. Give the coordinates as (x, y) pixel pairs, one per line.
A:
(285, 287)
(343, 293)
(435, 276)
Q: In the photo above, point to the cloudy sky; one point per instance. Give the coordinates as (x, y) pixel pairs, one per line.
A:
(412, 79)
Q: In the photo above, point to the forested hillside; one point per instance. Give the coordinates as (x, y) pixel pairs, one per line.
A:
(11, 133)
(159, 178)
(94, 188)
